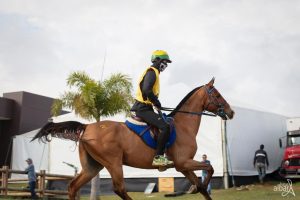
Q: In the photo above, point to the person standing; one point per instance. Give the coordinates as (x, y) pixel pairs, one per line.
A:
(147, 98)
(31, 177)
(260, 162)
(204, 173)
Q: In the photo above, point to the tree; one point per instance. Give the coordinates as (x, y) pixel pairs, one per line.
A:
(92, 100)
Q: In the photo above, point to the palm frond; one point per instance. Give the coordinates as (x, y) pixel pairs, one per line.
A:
(78, 79)
(56, 107)
(93, 99)
(118, 82)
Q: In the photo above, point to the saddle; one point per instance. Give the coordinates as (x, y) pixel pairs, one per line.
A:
(148, 133)
(139, 121)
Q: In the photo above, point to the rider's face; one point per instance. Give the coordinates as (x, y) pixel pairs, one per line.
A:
(163, 65)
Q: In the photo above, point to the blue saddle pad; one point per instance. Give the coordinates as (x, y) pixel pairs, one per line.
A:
(146, 136)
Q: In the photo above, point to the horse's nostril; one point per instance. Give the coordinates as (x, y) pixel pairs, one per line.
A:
(232, 113)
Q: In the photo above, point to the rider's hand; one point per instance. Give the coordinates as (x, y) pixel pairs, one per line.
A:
(157, 105)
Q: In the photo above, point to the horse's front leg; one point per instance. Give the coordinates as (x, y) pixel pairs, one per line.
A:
(187, 168)
(196, 184)
(192, 165)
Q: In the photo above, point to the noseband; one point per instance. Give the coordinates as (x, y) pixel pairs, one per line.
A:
(215, 101)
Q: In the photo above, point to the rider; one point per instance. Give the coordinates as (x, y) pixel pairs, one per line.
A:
(147, 97)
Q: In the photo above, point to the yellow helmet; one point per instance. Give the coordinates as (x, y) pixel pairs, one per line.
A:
(161, 54)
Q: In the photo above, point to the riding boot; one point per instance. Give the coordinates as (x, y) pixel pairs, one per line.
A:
(159, 159)
(162, 139)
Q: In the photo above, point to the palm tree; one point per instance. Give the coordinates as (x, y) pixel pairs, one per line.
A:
(92, 100)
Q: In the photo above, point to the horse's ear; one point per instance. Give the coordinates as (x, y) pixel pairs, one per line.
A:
(211, 82)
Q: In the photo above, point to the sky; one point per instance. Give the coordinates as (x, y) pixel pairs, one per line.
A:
(251, 47)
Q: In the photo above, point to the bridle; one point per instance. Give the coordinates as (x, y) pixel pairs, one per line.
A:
(212, 100)
(215, 101)
(205, 112)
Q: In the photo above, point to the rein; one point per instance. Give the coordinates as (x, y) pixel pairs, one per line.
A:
(188, 112)
(214, 100)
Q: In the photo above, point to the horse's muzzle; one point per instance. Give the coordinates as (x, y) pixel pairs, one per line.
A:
(229, 114)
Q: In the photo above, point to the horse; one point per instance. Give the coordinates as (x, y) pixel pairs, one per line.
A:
(111, 144)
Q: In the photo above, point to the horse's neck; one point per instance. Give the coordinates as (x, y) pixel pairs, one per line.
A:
(191, 122)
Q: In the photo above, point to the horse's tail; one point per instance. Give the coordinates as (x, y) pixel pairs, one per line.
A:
(70, 130)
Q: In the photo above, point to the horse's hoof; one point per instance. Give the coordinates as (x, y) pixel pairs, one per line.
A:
(193, 190)
(204, 192)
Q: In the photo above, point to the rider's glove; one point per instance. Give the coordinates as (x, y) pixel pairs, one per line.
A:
(157, 104)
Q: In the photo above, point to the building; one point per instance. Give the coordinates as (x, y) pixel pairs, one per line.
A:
(20, 112)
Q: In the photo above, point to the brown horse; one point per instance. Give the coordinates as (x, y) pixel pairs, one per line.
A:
(111, 144)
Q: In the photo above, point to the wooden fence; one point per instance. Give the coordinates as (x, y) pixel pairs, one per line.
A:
(41, 190)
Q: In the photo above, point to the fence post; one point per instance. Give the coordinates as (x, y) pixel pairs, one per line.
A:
(42, 183)
(4, 184)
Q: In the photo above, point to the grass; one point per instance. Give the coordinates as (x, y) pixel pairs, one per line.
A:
(252, 192)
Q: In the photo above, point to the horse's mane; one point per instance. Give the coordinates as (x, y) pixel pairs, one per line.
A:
(183, 101)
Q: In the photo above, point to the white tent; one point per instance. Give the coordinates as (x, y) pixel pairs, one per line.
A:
(23, 149)
(245, 133)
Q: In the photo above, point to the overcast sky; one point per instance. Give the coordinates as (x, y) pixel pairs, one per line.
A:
(251, 47)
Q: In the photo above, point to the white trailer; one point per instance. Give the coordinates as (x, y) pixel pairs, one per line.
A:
(293, 124)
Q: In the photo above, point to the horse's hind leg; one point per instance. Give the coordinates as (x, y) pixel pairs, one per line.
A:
(90, 168)
(116, 173)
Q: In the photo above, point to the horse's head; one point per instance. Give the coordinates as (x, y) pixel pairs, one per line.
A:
(215, 103)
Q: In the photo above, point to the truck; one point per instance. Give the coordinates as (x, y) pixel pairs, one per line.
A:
(290, 165)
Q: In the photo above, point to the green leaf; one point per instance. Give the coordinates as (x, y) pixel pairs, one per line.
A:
(92, 99)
